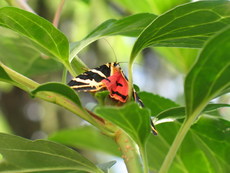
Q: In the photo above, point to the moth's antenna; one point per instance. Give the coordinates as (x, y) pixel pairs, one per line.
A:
(112, 49)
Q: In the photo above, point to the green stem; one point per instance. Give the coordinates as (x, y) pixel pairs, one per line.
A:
(58, 13)
(64, 75)
(130, 80)
(129, 152)
(145, 159)
(178, 140)
(69, 68)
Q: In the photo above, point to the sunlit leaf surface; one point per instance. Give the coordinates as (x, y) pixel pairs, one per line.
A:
(210, 75)
(183, 26)
(41, 32)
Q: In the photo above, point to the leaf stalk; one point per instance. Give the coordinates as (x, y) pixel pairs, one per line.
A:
(179, 139)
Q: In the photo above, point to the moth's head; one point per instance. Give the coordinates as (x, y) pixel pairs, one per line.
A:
(117, 66)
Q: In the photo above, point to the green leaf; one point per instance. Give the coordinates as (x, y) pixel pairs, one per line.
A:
(65, 96)
(181, 58)
(183, 26)
(79, 138)
(156, 103)
(4, 76)
(210, 75)
(38, 30)
(61, 89)
(14, 78)
(179, 112)
(203, 149)
(29, 60)
(130, 26)
(6, 167)
(42, 156)
(134, 120)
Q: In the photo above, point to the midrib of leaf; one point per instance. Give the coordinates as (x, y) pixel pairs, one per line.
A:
(31, 35)
(211, 155)
(46, 153)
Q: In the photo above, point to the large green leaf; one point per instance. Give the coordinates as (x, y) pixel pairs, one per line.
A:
(38, 30)
(156, 103)
(60, 89)
(42, 156)
(188, 25)
(65, 96)
(130, 26)
(29, 60)
(204, 149)
(181, 58)
(134, 120)
(210, 75)
(79, 138)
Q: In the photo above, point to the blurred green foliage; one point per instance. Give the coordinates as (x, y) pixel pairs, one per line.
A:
(33, 52)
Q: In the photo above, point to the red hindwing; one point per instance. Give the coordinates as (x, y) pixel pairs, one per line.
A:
(117, 86)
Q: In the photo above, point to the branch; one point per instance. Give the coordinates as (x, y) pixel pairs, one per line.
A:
(130, 152)
(58, 13)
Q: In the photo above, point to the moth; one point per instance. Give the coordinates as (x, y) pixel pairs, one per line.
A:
(110, 77)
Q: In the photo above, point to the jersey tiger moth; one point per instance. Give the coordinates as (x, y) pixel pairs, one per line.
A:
(108, 76)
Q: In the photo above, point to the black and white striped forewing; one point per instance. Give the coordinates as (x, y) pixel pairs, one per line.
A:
(90, 81)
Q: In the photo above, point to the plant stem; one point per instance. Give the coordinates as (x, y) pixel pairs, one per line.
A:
(178, 141)
(58, 13)
(144, 159)
(129, 152)
(130, 80)
(69, 68)
(64, 75)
